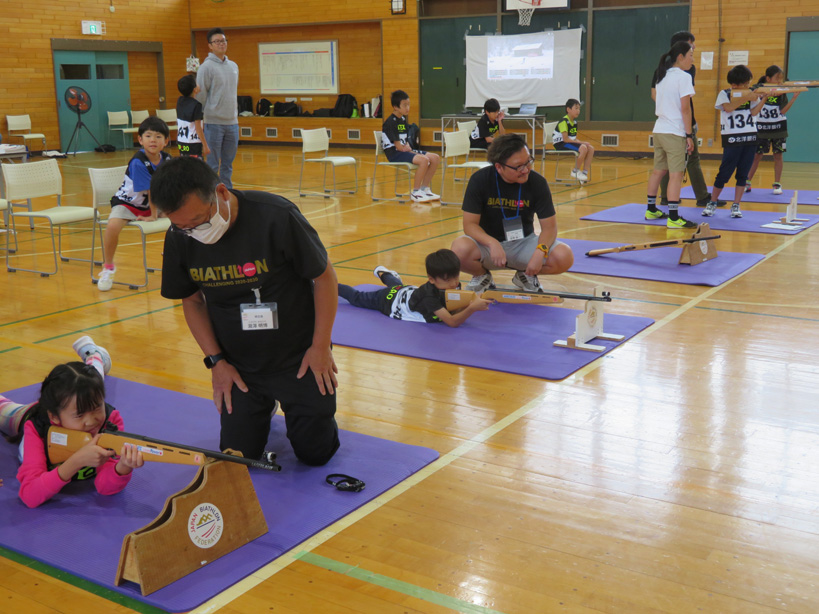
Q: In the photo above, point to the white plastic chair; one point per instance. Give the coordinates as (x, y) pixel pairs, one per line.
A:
(137, 117)
(169, 117)
(407, 166)
(118, 122)
(314, 141)
(104, 184)
(456, 144)
(549, 150)
(5, 207)
(37, 179)
(20, 127)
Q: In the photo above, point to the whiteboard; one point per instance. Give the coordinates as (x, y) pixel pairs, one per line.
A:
(309, 67)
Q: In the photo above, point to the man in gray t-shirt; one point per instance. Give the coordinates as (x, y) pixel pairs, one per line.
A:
(218, 81)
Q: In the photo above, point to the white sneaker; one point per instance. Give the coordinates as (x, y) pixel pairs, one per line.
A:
(432, 195)
(419, 196)
(777, 189)
(106, 279)
(530, 283)
(382, 269)
(582, 177)
(479, 283)
(747, 187)
(85, 348)
(709, 210)
(575, 172)
(735, 212)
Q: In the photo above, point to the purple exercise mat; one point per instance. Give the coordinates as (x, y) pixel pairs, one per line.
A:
(659, 264)
(82, 532)
(760, 195)
(509, 338)
(751, 221)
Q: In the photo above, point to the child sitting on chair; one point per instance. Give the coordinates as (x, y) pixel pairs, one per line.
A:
(489, 125)
(73, 397)
(131, 202)
(565, 139)
(426, 303)
(395, 142)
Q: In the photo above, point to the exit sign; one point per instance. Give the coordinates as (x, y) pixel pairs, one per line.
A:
(94, 28)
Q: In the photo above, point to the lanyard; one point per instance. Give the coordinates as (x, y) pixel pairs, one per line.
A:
(519, 202)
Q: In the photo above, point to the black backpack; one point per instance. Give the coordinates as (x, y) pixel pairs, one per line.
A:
(285, 109)
(344, 106)
(263, 106)
(244, 103)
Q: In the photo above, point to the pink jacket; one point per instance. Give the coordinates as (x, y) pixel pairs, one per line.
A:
(38, 484)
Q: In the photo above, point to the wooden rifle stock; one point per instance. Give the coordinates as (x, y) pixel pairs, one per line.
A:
(458, 299)
(62, 443)
(651, 245)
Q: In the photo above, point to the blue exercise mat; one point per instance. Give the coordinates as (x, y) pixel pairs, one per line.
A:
(81, 532)
(506, 337)
(659, 264)
(751, 221)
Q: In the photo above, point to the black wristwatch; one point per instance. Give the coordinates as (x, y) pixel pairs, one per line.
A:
(689, 136)
(210, 361)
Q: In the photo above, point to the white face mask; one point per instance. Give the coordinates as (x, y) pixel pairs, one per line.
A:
(217, 228)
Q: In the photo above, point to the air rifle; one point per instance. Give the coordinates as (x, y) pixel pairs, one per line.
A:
(458, 299)
(652, 245)
(62, 443)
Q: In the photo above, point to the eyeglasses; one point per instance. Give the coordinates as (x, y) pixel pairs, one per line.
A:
(189, 231)
(218, 41)
(522, 168)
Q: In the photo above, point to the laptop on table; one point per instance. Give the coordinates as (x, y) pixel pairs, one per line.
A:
(526, 108)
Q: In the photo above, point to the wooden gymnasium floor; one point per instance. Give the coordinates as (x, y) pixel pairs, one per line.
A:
(680, 473)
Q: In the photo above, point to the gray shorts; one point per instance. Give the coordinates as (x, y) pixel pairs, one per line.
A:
(123, 213)
(518, 252)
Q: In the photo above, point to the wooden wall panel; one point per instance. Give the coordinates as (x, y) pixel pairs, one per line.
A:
(27, 72)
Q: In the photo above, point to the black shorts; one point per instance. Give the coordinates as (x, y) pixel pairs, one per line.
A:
(190, 149)
(763, 146)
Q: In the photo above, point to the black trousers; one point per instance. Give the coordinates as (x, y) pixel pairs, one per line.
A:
(309, 417)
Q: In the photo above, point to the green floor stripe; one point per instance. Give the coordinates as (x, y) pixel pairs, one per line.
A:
(85, 585)
(109, 322)
(394, 585)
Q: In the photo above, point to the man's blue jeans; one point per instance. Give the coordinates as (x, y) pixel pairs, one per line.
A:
(223, 142)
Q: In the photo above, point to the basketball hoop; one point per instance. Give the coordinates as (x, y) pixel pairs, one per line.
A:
(525, 15)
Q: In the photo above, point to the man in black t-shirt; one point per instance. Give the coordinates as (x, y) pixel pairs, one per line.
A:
(259, 295)
(499, 208)
(425, 303)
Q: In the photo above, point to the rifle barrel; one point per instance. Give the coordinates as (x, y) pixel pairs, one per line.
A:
(269, 466)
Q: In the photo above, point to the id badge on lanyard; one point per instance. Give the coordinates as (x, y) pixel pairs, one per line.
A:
(259, 315)
(512, 226)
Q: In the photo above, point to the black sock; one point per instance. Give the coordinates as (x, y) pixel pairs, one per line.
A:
(652, 203)
(673, 205)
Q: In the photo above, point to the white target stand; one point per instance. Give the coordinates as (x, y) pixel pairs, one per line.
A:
(790, 213)
(588, 326)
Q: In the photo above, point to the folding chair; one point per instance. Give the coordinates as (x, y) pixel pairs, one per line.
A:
(5, 207)
(169, 117)
(456, 144)
(104, 184)
(137, 117)
(20, 127)
(318, 141)
(407, 166)
(118, 122)
(549, 150)
(33, 180)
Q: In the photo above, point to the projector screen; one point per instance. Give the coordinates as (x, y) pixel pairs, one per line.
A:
(542, 67)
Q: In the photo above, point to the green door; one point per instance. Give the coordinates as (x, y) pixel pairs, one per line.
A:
(623, 65)
(803, 129)
(104, 77)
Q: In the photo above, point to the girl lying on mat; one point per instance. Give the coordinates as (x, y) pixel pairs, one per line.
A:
(417, 304)
(73, 397)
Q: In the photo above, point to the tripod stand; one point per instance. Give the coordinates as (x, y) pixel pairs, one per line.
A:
(80, 124)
